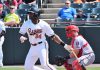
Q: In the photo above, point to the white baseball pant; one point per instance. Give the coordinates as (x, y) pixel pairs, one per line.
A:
(39, 51)
(84, 60)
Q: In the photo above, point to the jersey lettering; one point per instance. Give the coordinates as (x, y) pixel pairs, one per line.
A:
(36, 32)
(38, 36)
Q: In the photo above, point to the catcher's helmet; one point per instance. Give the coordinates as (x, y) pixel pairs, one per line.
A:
(72, 27)
(35, 11)
(69, 30)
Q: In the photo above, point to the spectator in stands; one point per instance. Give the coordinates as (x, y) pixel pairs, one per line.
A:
(80, 14)
(31, 3)
(79, 1)
(2, 12)
(8, 3)
(12, 19)
(97, 0)
(67, 13)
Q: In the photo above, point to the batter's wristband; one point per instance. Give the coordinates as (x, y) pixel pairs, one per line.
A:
(63, 44)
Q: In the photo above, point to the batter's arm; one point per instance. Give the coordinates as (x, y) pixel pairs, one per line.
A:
(58, 40)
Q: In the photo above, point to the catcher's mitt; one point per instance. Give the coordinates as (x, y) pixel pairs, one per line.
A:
(59, 60)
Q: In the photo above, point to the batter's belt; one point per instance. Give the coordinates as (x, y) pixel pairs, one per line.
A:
(35, 44)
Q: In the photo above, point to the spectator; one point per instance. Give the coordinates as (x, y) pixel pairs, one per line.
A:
(80, 14)
(66, 13)
(2, 12)
(8, 3)
(12, 19)
(97, 0)
(79, 1)
(31, 3)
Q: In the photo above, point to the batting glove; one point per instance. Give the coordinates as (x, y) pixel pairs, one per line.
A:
(68, 47)
(22, 39)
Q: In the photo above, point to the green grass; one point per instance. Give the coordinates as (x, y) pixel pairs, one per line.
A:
(58, 68)
(94, 68)
(89, 68)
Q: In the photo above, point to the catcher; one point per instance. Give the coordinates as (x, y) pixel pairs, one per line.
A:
(81, 53)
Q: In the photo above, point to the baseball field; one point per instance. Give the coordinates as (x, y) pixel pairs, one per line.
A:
(58, 68)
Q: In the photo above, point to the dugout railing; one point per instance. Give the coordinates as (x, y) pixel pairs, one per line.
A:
(78, 23)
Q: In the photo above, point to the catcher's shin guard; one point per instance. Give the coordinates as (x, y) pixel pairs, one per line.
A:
(68, 66)
(76, 65)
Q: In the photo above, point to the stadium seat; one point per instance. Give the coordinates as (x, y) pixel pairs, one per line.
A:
(93, 21)
(22, 13)
(94, 15)
(98, 4)
(89, 5)
(75, 5)
(87, 10)
(24, 6)
(80, 21)
(96, 10)
(7, 10)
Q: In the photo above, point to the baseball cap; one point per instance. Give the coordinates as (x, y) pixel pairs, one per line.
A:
(12, 7)
(1, 5)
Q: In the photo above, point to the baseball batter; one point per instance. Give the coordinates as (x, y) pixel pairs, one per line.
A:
(2, 32)
(81, 48)
(36, 30)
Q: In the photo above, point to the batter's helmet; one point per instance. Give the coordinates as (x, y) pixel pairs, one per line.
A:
(72, 27)
(34, 10)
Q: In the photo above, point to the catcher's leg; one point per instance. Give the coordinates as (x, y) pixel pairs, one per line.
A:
(77, 66)
(68, 66)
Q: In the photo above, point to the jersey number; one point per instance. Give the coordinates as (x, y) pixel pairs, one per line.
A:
(38, 36)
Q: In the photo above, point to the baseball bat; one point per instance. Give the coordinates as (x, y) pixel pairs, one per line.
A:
(81, 68)
(74, 54)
